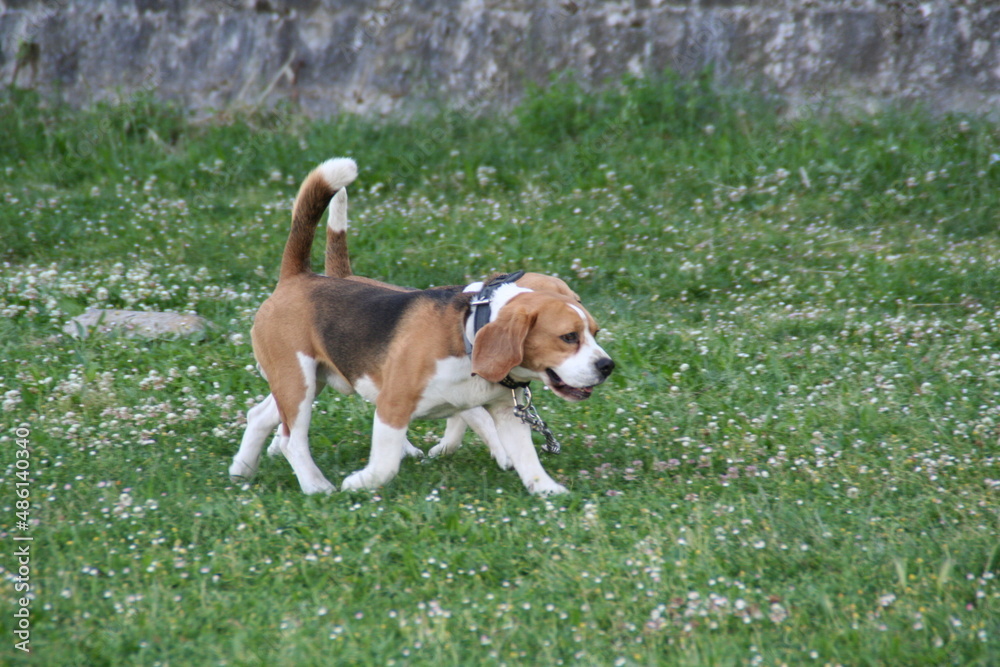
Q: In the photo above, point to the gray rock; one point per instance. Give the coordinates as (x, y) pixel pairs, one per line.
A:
(134, 324)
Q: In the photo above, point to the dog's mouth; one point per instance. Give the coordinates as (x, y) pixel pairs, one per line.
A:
(556, 384)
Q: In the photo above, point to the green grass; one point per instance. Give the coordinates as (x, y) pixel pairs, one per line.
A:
(796, 461)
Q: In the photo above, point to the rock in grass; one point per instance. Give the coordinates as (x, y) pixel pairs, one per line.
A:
(134, 324)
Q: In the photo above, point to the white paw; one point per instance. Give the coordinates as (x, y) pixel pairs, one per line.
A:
(274, 449)
(442, 449)
(358, 481)
(410, 450)
(503, 460)
(241, 471)
(446, 446)
(315, 486)
(547, 487)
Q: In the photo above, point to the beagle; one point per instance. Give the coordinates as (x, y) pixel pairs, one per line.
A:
(441, 352)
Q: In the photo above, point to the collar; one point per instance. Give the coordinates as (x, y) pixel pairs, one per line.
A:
(481, 309)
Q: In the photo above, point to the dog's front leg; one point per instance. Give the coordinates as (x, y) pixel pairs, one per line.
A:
(515, 437)
(483, 425)
(388, 445)
(452, 438)
(274, 449)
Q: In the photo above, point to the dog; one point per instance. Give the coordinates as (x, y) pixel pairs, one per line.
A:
(337, 264)
(437, 353)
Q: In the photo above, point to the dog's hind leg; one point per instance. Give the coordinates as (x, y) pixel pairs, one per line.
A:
(261, 420)
(295, 405)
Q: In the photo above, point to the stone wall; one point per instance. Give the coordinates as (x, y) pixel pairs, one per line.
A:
(401, 56)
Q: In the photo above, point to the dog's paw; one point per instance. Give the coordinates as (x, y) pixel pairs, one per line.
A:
(447, 445)
(547, 487)
(442, 449)
(410, 450)
(240, 471)
(317, 486)
(502, 459)
(358, 481)
(274, 449)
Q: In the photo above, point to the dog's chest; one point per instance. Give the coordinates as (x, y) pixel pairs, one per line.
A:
(451, 389)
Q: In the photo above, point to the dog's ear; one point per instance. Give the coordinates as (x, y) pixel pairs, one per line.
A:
(499, 346)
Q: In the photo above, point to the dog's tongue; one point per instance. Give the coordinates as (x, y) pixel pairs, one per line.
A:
(557, 385)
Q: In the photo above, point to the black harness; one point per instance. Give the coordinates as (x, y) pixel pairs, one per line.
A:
(480, 314)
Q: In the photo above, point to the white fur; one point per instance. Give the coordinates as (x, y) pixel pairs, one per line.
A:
(339, 382)
(296, 446)
(483, 425)
(274, 449)
(338, 172)
(453, 389)
(516, 438)
(336, 221)
(383, 463)
(502, 296)
(450, 391)
(261, 420)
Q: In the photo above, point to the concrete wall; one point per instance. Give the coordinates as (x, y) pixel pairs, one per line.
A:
(406, 55)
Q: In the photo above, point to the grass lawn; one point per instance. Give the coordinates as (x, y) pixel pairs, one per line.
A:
(795, 462)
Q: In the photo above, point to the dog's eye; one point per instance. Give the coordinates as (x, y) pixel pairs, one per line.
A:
(572, 338)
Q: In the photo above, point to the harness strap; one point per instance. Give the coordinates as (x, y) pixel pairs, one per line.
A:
(481, 309)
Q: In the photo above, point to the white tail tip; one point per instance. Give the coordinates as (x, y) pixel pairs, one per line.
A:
(338, 172)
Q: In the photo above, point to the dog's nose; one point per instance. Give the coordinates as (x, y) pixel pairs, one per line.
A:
(605, 366)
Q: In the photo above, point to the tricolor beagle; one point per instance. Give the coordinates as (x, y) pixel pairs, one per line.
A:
(413, 353)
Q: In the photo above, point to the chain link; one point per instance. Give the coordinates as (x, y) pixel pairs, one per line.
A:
(527, 413)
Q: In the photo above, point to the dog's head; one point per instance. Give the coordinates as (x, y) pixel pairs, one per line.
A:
(546, 336)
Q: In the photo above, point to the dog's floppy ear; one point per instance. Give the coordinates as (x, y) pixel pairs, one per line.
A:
(499, 346)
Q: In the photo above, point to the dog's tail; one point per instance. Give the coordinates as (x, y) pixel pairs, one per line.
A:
(314, 196)
(337, 259)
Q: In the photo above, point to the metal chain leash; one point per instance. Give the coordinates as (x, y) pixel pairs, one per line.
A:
(527, 413)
